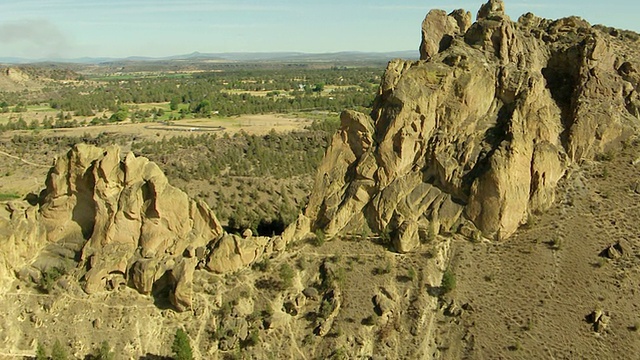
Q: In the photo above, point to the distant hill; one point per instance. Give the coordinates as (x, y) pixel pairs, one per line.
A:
(233, 57)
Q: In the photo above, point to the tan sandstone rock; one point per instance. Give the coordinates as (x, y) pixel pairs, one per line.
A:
(134, 223)
(483, 127)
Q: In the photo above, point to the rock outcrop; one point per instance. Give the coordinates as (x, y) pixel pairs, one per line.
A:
(115, 221)
(131, 227)
(136, 224)
(480, 129)
(21, 237)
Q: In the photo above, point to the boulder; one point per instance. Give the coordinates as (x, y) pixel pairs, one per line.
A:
(599, 320)
(182, 274)
(233, 253)
(617, 250)
(311, 293)
(383, 304)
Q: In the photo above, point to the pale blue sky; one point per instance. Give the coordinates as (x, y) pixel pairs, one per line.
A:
(120, 28)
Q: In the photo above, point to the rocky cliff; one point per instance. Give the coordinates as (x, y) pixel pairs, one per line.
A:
(477, 133)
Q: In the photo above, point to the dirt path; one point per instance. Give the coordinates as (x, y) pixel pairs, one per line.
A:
(23, 160)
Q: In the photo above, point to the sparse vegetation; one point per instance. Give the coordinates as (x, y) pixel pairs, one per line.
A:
(104, 352)
(411, 274)
(382, 270)
(326, 307)
(252, 340)
(59, 352)
(606, 156)
(262, 265)
(41, 352)
(49, 278)
(339, 275)
(319, 238)
(181, 346)
(261, 181)
(339, 354)
(385, 235)
(286, 276)
(516, 347)
(365, 231)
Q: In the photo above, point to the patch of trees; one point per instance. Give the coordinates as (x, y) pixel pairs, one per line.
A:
(280, 155)
(247, 171)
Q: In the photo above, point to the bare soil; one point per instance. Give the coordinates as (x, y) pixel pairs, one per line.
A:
(532, 295)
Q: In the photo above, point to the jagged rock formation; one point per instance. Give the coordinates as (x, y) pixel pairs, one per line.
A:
(126, 225)
(480, 129)
(133, 221)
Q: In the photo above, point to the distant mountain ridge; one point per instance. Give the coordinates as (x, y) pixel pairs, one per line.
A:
(232, 57)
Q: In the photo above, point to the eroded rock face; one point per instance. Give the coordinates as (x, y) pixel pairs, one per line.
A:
(481, 129)
(21, 238)
(136, 224)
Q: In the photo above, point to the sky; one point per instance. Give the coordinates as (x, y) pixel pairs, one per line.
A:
(39, 29)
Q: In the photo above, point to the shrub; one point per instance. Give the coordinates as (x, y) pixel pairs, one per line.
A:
(59, 352)
(430, 235)
(365, 231)
(385, 235)
(606, 156)
(382, 270)
(104, 353)
(181, 347)
(263, 265)
(448, 281)
(49, 277)
(319, 239)
(326, 308)
(41, 352)
(286, 276)
(9, 196)
(411, 274)
(252, 340)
